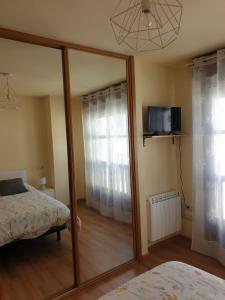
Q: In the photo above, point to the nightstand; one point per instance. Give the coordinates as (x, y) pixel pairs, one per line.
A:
(49, 191)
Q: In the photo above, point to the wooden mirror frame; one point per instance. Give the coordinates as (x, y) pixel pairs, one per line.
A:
(64, 47)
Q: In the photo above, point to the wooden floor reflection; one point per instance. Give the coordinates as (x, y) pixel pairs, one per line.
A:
(103, 242)
(36, 269)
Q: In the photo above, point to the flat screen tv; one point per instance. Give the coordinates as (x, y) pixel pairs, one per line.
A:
(164, 120)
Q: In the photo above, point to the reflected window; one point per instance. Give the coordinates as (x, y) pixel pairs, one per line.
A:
(107, 152)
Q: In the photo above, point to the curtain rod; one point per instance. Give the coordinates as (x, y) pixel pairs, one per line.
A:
(204, 57)
(105, 88)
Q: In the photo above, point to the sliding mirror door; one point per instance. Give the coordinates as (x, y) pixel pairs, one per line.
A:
(36, 255)
(102, 166)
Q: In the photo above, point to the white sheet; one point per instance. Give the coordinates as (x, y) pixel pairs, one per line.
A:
(171, 281)
(29, 215)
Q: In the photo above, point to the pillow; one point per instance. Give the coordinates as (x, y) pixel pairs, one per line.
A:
(12, 187)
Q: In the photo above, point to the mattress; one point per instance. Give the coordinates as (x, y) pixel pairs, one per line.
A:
(171, 281)
(29, 215)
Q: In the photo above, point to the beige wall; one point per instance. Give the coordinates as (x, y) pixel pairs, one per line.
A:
(78, 141)
(24, 139)
(33, 138)
(157, 160)
(59, 145)
(182, 81)
(47, 135)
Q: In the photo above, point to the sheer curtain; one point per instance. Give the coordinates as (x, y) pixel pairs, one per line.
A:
(209, 156)
(107, 169)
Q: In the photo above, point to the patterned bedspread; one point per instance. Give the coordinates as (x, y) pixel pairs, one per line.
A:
(29, 215)
(171, 281)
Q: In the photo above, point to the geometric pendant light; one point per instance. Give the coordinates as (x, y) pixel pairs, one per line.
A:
(146, 25)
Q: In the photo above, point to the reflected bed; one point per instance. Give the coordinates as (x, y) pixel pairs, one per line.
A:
(30, 215)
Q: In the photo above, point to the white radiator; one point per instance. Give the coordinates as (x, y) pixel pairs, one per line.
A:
(165, 214)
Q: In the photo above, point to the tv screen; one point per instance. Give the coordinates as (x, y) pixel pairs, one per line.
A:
(164, 119)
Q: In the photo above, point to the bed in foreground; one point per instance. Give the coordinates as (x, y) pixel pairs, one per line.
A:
(171, 281)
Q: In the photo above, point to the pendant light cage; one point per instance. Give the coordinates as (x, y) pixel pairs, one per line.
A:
(8, 99)
(146, 25)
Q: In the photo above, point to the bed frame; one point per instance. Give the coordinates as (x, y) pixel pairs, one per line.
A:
(57, 230)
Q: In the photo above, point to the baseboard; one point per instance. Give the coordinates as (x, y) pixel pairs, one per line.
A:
(81, 200)
(162, 243)
(168, 237)
(145, 256)
(186, 236)
(165, 241)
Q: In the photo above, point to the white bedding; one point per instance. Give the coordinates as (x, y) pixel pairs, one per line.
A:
(171, 281)
(29, 215)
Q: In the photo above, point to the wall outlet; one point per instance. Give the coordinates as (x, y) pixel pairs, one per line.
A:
(187, 213)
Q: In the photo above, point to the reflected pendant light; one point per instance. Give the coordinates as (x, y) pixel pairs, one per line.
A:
(7, 95)
(146, 25)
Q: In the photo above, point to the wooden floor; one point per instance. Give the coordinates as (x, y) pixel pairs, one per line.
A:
(36, 269)
(103, 243)
(177, 249)
(106, 285)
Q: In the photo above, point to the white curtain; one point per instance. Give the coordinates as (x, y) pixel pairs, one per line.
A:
(107, 168)
(209, 156)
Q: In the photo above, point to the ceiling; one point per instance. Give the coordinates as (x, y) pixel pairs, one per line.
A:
(37, 71)
(89, 72)
(87, 22)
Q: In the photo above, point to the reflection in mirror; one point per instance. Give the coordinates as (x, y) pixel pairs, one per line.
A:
(35, 241)
(101, 144)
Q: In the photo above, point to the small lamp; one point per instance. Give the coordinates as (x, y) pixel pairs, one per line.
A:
(42, 182)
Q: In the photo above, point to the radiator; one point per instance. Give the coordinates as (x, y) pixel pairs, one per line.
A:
(165, 214)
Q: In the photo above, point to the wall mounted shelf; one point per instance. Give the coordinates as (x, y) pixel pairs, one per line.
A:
(171, 136)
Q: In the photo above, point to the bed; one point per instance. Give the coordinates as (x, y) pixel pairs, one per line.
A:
(30, 214)
(171, 281)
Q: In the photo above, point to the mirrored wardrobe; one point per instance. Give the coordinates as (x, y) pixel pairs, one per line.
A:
(68, 207)
(36, 259)
(102, 164)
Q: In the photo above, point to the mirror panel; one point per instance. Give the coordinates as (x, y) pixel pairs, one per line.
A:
(102, 167)
(36, 258)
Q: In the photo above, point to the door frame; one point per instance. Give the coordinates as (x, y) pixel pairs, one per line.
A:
(65, 47)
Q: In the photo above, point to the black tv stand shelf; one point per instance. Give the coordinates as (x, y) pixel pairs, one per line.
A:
(147, 135)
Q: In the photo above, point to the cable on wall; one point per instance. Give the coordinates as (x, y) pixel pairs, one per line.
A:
(181, 176)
